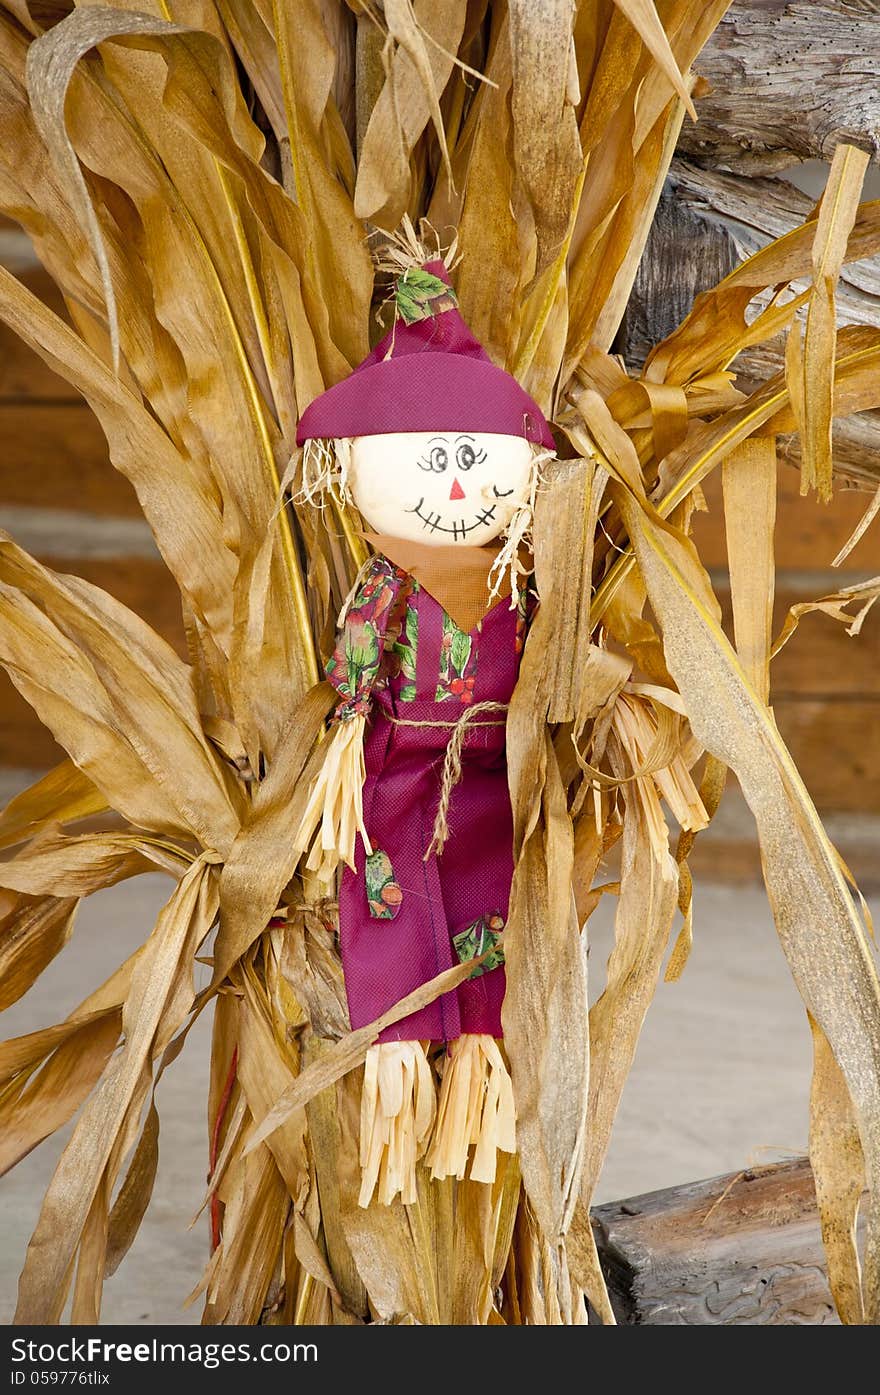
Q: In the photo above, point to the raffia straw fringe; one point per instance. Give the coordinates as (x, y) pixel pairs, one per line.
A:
(334, 814)
(476, 1107)
(451, 764)
(398, 1106)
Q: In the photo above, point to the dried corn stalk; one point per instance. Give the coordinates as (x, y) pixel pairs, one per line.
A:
(200, 180)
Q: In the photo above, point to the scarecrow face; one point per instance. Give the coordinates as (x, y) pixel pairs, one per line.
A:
(441, 487)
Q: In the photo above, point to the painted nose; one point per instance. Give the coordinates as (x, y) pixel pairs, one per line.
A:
(456, 492)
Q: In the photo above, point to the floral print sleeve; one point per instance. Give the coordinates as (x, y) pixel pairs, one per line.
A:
(355, 667)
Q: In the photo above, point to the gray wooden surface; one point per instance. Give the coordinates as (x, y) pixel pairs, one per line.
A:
(743, 1249)
(788, 82)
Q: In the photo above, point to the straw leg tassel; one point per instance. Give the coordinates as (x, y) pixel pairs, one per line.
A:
(401, 1118)
(398, 1106)
(475, 1108)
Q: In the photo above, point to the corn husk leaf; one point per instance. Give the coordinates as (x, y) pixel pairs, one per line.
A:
(839, 1173)
(159, 1001)
(815, 917)
(64, 795)
(837, 213)
(33, 929)
(196, 182)
(749, 480)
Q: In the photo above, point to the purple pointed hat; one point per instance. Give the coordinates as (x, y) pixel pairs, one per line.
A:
(428, 373)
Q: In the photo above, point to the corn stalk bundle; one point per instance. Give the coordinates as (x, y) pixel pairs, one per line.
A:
(203, 180)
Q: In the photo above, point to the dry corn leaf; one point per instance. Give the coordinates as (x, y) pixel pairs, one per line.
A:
(822, 937)
(130, 681)
(57, 865)
(839, 1174)
(748, 477)
(326, 1142)
(546, 146)
(716, 328)
(32, 931)
(400, 1252)
(337, 261)
(860, 529)
(129, 1208)
(262, 860)
(158, 1002)
(63, 795)
(427, 35)
(711, 789)
(490, 233)
(642, 15)
(862, 593)
(837, 213)
(631, 224)
(140, 449)
(546, 971)
(254, 1218)
(53, 1096)
(648, 896)
(200, 224)
(349, 1051)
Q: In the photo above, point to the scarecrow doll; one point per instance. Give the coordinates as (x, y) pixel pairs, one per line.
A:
(439, 450)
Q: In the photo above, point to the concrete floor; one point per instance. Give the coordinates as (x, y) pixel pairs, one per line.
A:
(721, 1081)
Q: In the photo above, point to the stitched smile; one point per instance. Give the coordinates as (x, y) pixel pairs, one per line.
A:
(459, 528)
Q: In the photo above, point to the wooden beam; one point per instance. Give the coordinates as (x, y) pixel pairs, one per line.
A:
(55, 456)
(808, 534)
(741, 1250)
(787, 82)
(23, 374)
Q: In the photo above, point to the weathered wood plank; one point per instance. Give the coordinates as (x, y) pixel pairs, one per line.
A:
(23, 374)
(56, 456)
(808, 534)
(787, 82)
(834, 745)
(738, 1250)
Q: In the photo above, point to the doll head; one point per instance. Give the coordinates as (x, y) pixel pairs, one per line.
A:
(431, 440)
(440, 487)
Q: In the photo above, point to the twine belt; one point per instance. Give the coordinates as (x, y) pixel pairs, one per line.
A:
(451, 762)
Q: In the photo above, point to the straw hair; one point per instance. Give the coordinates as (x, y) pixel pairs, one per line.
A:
(518, 537)
(325, 471)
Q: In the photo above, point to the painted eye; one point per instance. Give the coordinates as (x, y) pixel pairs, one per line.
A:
(465, 455)
(436, 460)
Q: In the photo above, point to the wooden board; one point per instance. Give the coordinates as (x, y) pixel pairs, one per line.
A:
(836, 748)
(23, 374)
(56, 457)
(740, 1250)
(808, 534)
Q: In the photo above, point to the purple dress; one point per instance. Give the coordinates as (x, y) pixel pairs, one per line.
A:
(403, 919)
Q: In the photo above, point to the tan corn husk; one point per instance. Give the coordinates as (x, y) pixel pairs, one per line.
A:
(199, 181)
